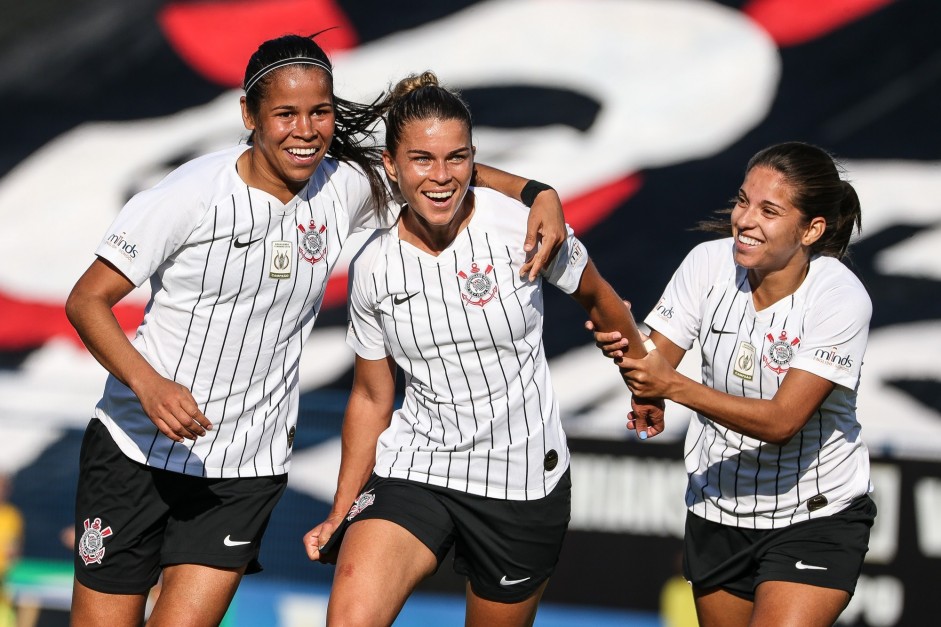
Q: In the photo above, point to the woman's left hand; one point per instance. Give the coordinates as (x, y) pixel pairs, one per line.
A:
(545, 233)
(650, 377)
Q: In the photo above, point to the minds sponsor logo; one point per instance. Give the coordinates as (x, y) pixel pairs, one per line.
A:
(128, 249)
(830, 356)
(663, 311)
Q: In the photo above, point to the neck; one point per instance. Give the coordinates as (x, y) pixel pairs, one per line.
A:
(434, 238)
(254, 174)
(770, 287)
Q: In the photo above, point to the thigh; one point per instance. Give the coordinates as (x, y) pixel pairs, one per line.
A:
(788, 603)
(217, 522)
(508, 549)
(91, 607)
(378, 566)
(119, 519)
(716, 607)
(193, 595)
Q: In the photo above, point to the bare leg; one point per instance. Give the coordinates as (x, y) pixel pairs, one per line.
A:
(193, 595)
(379, 565)
(484, 613)
(788, 604)
(90, 607)
(717, 608)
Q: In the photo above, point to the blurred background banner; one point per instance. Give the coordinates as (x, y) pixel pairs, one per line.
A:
(642, 113)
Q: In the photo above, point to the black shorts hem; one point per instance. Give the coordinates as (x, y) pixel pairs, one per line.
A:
(112, 587)
(507, 595)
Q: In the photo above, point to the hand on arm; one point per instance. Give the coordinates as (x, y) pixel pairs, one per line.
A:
(545, 229)
(774, 420)
(367, 415)
(169, 405)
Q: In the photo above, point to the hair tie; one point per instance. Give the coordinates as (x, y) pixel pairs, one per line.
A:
(283, 62)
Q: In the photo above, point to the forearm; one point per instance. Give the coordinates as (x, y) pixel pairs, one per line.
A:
(607, 311)
(368, 413)
(104, 338)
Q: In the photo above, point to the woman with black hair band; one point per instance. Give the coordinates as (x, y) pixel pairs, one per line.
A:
(476, 457)
(190, 445)
(778, 491)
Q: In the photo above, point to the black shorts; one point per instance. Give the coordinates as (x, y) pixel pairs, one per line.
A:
(825, 552)
(131, 519)
(506, 549)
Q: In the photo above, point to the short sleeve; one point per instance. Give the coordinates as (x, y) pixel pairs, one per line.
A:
(835, 335)
(151, 227)
(364, 332)
(678, 314)
(565, 270)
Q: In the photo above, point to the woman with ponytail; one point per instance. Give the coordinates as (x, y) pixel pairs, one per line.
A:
(476, 457)
(778, 488)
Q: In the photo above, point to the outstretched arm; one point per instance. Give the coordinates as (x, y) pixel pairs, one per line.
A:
(367, 415)
(609, 313)
(169, 405)
(774, 420)
(545, 230)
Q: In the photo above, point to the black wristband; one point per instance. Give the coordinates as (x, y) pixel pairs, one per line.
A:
(531, 190)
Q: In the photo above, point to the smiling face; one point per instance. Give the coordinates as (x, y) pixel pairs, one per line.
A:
(293, 128)
(433, 165)
(771, 234)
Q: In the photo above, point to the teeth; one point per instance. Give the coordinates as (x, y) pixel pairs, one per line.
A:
(439, 195)
(748, 240)
(302, 152)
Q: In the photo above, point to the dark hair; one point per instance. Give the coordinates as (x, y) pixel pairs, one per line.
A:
(817, 189)
(420, 97)
(355, 122)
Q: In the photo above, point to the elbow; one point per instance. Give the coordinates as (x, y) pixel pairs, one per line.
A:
(781, 434)
(73, 307)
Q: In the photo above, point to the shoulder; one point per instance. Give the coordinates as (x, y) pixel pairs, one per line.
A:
(198, 170)
(831, 280)
(494, 211)
(712, 259)
(373, 248)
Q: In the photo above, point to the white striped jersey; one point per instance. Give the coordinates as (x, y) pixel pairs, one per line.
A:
(823, 329)
(479, 413)
(237, 280)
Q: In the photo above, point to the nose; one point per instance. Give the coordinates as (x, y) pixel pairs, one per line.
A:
(440, 173)
(304, 127)
(744, 217)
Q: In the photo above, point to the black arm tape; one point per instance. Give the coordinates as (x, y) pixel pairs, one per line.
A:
(531, 190)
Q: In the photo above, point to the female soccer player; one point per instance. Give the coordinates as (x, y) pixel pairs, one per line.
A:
(476, 457)
(778, 493)
(191, 442)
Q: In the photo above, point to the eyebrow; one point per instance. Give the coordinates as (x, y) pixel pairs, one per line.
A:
(741, 192)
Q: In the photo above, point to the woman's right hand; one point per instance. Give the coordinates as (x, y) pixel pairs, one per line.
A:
(172, 408)
(317, 538)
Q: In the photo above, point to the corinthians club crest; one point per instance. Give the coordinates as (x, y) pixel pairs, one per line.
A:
(477, 288)
(91, 547)
(779, 354)
(313, 245)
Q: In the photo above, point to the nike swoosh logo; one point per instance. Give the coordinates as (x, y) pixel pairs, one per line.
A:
(510, 582)
(720, 331)
(230, 542)
(398, 300)
(800, 565)
(239, 244)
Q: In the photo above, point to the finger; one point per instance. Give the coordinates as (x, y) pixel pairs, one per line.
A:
(540, 260)
(640, 425)
(165, 429)
(532, 237)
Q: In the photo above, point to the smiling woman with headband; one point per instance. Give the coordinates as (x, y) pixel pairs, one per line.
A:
(190, 445)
